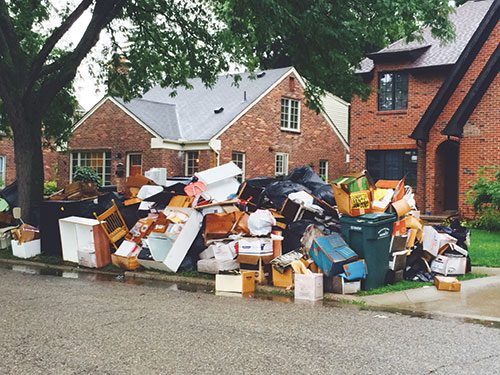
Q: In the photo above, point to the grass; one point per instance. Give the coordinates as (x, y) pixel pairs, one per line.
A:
(406, 284)
(485, 248)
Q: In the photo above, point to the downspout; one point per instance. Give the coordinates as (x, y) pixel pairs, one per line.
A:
(423, 147)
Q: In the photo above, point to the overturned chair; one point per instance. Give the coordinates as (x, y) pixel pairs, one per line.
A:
(113, 224)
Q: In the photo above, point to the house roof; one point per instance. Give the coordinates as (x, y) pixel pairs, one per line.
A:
(465, 20)
(469, 53)
(455, 126)
(189, 115)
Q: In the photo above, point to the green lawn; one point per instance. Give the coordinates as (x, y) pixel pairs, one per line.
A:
(485, 248)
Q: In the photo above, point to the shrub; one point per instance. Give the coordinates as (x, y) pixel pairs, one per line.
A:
(86, 174)
(485, 198)
(49, 187)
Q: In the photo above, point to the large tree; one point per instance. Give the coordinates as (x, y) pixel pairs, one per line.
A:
(167, 42)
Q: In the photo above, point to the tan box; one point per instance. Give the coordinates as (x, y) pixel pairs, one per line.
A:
(283, 280)
(243, 283)
(447, 283)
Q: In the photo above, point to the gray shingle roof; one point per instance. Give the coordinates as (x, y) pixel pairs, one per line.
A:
(465, 19)
(190, 114)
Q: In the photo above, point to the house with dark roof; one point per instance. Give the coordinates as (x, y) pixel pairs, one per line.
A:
(262, 124)
(433, 115)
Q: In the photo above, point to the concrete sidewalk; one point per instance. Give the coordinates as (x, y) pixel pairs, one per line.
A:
(478, 299)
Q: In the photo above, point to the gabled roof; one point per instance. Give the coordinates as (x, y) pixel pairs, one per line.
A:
(455, 126)
(190, 115)
(484, 29)
(465, 20)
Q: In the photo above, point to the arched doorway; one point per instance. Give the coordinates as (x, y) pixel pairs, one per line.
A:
(446, 178)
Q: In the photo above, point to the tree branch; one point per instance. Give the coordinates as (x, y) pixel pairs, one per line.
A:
(104, 12)
(11, 48)
(52, 40)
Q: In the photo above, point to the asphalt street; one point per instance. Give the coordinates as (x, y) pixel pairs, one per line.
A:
(55, 325)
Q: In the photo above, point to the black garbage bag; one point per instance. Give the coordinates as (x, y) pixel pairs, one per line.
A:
(9, 193)
(190, 261)
(325, 193)
(293, 234)
(305, 176)
(278, 192)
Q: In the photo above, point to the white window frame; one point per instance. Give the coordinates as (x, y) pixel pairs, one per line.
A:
(186, 161)
(288, 104)
(325, 167)
(3, 173)
(243, 162)
(128, 161)
(103, 175)
(284, 162)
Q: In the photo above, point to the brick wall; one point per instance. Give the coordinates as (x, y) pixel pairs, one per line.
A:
(258, 135)
(389, 130)
(50, 159)
(110, 129)
(371, 129)
(480, 145)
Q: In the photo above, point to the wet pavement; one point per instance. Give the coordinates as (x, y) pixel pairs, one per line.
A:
(478, 299)
(82, 323)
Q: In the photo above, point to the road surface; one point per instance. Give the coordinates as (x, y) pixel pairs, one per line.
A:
(55, 325)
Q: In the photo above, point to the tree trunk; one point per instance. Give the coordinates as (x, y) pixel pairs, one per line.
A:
(29, 164)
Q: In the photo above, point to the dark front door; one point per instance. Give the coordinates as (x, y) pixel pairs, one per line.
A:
(447, 159)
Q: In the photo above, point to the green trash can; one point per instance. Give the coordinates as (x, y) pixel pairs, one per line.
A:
(370, 237)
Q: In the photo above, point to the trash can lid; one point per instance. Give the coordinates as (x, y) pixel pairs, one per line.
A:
(376, 216)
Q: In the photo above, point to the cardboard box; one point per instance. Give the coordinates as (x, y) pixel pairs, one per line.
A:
(450, 284)
(449, 265)
(309, 286)
(283, 280)
(433, 240)
(25, 250)
(256, 264)
(330, 253)
(255, 246)
(342, 286)
(126, 256)
(243, 283)
(353, 194)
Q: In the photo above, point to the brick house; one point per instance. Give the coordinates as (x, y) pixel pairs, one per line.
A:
(8, 165)
(434, 110)
(262, 124)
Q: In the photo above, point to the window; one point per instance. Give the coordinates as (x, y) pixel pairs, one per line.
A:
(97, 160)
(2, 171)
(392, 91)
(238, 158)
(290, 114)
(134, 164)
(393, 165)
(323, 170)
(192, 162)
(281, 164)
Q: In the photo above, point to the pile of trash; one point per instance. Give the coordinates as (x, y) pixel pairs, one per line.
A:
(291, 232)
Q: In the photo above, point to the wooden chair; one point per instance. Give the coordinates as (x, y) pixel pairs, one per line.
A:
(113, 224)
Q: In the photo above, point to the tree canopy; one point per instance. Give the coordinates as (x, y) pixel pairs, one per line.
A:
(167, 42)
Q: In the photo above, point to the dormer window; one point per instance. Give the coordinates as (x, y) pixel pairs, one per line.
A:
(392, 91)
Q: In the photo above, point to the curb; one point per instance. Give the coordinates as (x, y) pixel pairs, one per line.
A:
(265, 290)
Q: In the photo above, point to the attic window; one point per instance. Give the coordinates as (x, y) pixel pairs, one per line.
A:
(218, 110)
(291, 84)
(261, 74)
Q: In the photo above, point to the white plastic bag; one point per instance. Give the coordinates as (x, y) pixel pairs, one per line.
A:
(261, 222)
